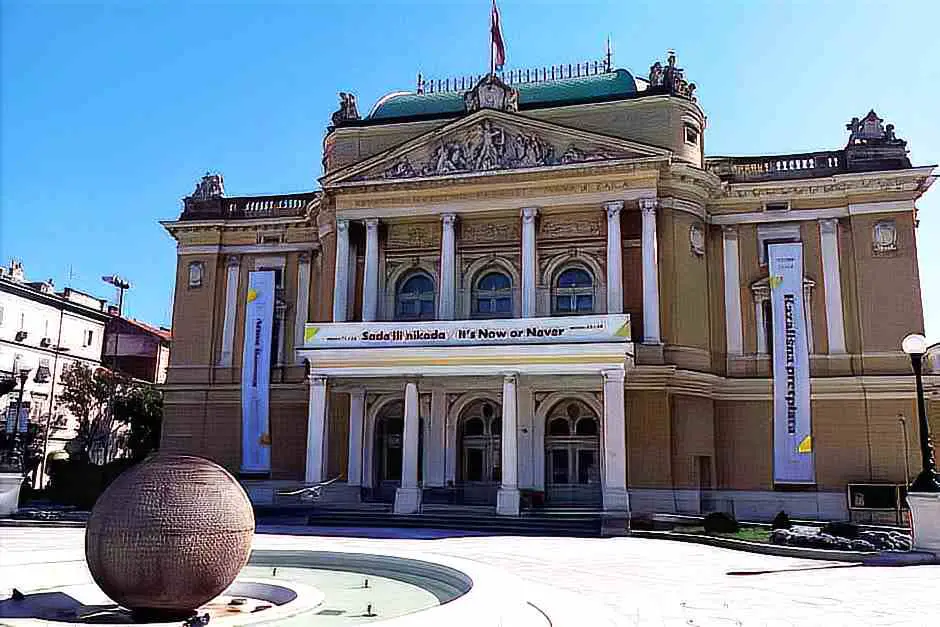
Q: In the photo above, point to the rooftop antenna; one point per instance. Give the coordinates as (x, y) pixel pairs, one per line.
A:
(608, 58)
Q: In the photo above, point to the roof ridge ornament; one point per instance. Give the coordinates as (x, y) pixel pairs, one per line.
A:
(491, 92)
(347, 111)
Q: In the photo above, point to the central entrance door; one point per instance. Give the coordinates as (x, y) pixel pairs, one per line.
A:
(572, 456)
(388, 448)
(480, 428)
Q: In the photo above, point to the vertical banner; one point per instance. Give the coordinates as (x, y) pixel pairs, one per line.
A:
(793, 442)
(256, 373)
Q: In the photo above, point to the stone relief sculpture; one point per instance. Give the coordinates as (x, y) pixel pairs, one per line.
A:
(489, 146)
(697, 240)
(884, 237)
(491, 93)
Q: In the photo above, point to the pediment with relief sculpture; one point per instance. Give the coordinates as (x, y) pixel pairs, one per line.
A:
(491, 141)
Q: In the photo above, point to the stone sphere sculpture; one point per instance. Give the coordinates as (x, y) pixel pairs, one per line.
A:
(168, 535)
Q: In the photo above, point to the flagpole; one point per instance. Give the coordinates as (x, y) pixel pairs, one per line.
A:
(492, 43)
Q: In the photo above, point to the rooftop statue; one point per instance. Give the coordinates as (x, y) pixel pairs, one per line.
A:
(671, 78)
(211, 186)
(871, 130)
(347, 111)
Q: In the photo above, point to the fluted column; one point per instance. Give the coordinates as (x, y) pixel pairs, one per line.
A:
(733, 327)
(316, 429)
(615, 444)
(341, 274)
(370, 276)
(832, 283)
(614, 258)
(446, 300)
(408, 496)
(357, 410)
(528, 261)
(651, 334)
(507, 498)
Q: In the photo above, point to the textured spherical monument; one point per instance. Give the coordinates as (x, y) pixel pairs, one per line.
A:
(169, 535)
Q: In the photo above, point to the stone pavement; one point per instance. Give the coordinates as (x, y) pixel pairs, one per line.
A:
(645, 582)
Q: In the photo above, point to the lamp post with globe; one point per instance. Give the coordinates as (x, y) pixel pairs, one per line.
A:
(924, 492)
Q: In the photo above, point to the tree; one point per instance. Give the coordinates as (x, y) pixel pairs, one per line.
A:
(87, 394)
(140, 407)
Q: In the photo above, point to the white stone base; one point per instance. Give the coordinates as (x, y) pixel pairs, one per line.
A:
(616, 500)
(10, 483)
(507, 501)
(925, 520)
(407, 500)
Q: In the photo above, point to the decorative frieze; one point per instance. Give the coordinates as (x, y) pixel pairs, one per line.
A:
(413, 235)
(571, 225)
(485, 231)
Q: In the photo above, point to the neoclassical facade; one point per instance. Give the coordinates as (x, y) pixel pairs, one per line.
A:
(518, 290)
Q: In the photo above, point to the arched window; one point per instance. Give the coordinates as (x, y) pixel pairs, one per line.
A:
(479, 451)
(492, 297)
(558, 426)
(574, 292)
(572, 454)
(415, 298)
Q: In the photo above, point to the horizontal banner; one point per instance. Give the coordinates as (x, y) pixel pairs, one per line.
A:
(561, 330)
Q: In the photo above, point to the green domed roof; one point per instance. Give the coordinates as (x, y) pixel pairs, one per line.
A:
(610, 85)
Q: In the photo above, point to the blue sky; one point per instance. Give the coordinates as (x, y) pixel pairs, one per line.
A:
(110, 111)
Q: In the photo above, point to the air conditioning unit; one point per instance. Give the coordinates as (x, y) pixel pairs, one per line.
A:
(20, 335)
(45, 342)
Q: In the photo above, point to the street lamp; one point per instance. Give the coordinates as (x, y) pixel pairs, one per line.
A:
(15, 453)
(916, 346)
(121, 285)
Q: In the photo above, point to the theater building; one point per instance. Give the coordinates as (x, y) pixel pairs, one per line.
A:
(536, 289)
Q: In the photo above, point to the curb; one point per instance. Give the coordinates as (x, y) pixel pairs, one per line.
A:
(55, 524)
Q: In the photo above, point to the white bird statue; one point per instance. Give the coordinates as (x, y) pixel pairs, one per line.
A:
(310, 493)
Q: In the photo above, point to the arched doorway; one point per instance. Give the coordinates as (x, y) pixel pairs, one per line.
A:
(572, 455)
(387, 450)
(479, 443)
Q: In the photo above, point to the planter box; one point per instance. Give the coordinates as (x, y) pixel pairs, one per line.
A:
(925, 520)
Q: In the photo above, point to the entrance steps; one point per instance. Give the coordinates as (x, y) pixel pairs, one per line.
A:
(461, 518)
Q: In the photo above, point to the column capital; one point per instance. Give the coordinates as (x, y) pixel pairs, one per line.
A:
(614, 375)
(304, 257)
(342, 225)
(729, 231)
(317, 380)
(613, 208)
(648, 205)
(371, 223)
(529, 213)
(829, 225)
(232, 261)
(449, 219)
(511, 378)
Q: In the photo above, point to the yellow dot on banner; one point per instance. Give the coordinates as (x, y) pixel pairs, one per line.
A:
(775, 282)
(623, 331)
(310, 333)
(806, 446)
(265, 439)
(252, 294)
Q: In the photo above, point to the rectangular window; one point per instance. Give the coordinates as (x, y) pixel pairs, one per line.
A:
(691, 134)
(22, 321)
(89, 337)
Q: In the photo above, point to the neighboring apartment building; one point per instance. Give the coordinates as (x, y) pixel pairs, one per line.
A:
(543, 284)
(45, 331)
(142, 351)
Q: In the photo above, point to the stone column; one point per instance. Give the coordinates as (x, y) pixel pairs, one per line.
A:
(615, 444)
(762, 348)
(732, 276)
(832, 282)
(341, 275)
(316, 429)
(507, 498)
(231, 309)
(408, 496)
(357, 410)
(303, 302)
(370, 275)
(614, 258)
(436, 445)
(650, 273)
(446, 298)
(528, 261)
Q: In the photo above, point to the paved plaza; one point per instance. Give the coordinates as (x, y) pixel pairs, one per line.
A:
(641, 582)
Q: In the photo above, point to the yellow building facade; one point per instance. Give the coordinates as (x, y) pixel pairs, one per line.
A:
(536, 291)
